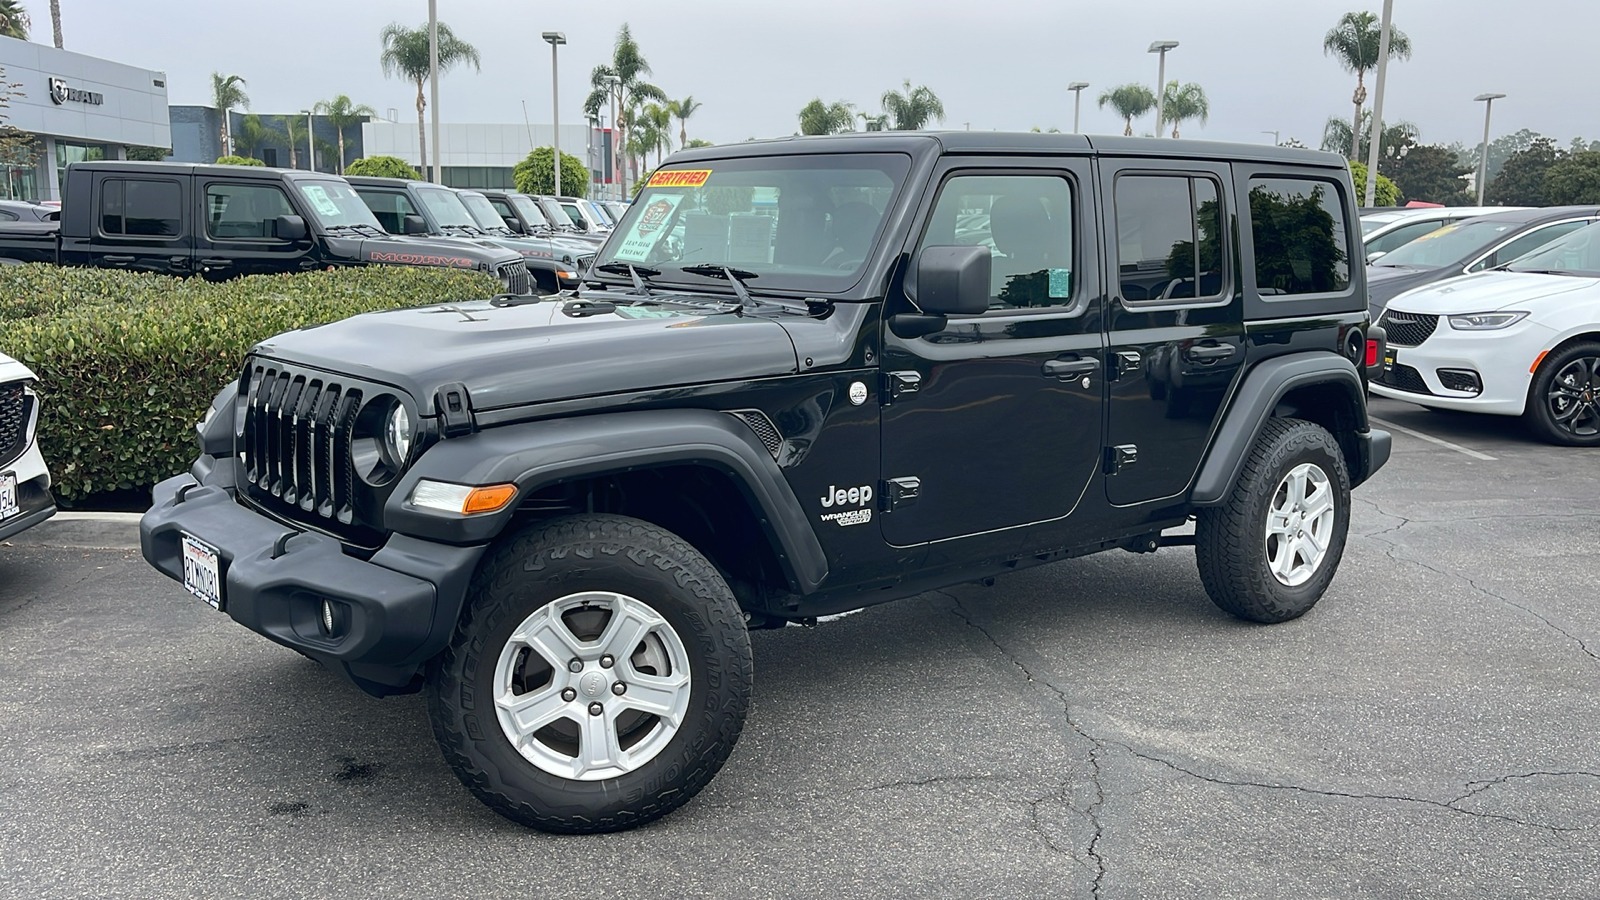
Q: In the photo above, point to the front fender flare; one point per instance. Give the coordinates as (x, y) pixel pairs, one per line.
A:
(533, 455)
(1253, 405)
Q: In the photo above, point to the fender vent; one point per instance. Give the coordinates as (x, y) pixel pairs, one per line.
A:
(766, 432)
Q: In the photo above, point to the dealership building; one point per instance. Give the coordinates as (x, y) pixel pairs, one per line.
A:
(483, 155)
(77, 107)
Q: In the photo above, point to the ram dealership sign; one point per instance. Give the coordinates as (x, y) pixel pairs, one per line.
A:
(60, 93)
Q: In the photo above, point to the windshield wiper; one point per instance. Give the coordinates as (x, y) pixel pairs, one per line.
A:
(735, 277)
(631, 271)
(1540, 271)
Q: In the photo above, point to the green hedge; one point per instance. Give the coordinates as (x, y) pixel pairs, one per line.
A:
(128, 362)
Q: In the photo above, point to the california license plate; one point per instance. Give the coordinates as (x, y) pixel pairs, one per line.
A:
(202, 574)
(8, 496)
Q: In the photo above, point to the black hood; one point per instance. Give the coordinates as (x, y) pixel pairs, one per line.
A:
(536, 352)
(411, 251)
(1384, 283)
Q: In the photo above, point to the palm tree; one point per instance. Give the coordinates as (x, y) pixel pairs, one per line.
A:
(342, 113)
(879, 122)
(1354, 42)
(55, 21)
(819, 118)
(912, 109)
(405, 55)
(14, 20)
(682, 110)
(1396, 135)
(628, 65)
(1129, 101)
(660, 119)
(226, 93)
(293, 135)
(1182, 103)
(252, 135)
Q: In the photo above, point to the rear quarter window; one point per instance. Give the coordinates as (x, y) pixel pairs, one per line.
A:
(1300, 237)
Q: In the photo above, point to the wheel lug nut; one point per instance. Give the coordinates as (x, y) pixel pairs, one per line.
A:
(596, 709)
(607, 662)
(619, 689)
(569, 695)
(575, 666)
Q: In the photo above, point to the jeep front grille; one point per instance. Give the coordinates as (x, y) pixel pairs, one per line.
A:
(16, 407)
(1406, 329)
(294, 450)
(515, 277)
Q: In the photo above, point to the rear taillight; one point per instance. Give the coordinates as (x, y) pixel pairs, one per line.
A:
(1372, 352)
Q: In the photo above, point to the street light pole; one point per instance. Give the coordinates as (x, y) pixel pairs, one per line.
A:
(1161, 47)
(1274, 137)
(433, 80)
(1377, 106)
(556, 39)
(1483, 160)
(1076, 88)
(311, 148)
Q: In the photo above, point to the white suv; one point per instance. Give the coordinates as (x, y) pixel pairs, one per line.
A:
(24, 481)
(1520, 339)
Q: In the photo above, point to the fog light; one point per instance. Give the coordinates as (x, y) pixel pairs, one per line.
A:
(1464, 380)
(327, 617)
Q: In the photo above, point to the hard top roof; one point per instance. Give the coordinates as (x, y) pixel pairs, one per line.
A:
(1010, 143)
(266, 173)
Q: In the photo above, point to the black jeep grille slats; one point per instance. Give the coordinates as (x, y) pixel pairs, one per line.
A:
(1407, 329)
(514, 275)
(295, 449)
(15, 409)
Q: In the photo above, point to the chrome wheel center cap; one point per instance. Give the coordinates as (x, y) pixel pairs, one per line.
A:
(592, 685)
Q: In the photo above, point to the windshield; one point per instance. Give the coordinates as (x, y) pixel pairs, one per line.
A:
(1449, 245)
(336, 203)
(482, 211)
(797, 222)
(1578, 253)
(1373, 223)
(530, 212)
(598, 212)
(446, 207)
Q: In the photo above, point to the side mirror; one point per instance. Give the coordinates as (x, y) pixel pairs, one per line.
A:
(1374, 256)
(413, 225)
(953, 280)
(290, 228)
(515, 224)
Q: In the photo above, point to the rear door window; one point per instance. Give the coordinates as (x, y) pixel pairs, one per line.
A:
(1300, 237)
(139, 208)
(1169, 238)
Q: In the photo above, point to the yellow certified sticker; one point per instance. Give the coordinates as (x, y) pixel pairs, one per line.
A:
(679, 178)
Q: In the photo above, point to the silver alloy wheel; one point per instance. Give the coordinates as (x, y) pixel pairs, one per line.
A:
(1299, 524)
(592, 686)
(1574, 397)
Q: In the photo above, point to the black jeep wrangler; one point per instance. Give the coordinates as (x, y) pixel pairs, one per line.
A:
(804, 376)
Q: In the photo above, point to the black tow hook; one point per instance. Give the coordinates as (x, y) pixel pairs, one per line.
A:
(281, 545)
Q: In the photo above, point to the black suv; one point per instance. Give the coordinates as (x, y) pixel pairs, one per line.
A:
(806, 376)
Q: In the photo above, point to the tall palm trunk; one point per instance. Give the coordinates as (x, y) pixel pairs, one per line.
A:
(227, 138)
(422, 132)
(341, 151)
(55, 20)
(1128, 132)
(1358, 98)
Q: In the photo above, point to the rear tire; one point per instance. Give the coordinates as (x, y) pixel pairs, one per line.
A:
(1564, 399)
(1268, 553)
(598, 679)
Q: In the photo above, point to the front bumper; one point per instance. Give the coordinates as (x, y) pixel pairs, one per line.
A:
(33, 492)
(392, 613)
(1503, 361)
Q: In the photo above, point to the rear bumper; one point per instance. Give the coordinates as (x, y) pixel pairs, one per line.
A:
(1373, 452)
(391, 613)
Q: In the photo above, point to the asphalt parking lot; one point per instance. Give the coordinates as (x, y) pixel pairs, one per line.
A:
(1090, 728)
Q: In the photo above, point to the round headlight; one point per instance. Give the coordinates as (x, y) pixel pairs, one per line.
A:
(397, 435)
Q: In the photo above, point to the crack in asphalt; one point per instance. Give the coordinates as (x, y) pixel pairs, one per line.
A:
(1092, 812)
(1394, 548)
(1474, 788)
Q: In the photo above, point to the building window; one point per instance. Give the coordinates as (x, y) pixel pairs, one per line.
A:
(69, 153)
(478, 177)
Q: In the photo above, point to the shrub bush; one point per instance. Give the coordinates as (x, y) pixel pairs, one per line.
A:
(239, 161)
(1384, 193)
(535, 175)
(128, 362)
(383, 167)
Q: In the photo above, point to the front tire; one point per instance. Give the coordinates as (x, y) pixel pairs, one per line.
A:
(598, 679)
(1564, 399)
(1268, 553)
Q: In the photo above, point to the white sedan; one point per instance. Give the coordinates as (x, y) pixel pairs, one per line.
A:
(24, 481)
(1519, 340)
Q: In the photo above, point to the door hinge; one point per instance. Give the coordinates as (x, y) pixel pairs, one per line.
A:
(1119, 456)
(899, 492)
(900, 384)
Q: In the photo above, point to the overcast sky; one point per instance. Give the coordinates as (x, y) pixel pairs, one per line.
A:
(999, 64)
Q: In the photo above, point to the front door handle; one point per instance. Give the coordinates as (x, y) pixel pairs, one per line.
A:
(1209, 352)
(1069, 368)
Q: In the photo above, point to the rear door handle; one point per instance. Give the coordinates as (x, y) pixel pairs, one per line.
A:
(216, 262)
(1207, 352)
(117, 260)
(1068, 368)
